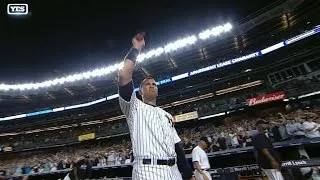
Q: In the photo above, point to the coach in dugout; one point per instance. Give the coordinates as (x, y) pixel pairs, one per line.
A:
(200, 160)
(265, 154)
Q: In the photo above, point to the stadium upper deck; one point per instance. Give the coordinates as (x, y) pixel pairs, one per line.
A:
(227, 47)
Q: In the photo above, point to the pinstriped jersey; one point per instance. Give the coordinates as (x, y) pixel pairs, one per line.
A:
(152, 132)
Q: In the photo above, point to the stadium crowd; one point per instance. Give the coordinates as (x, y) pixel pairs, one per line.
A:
(204, 107)
(61, 136)
(235, 133)
(282, 127)
(69, 135)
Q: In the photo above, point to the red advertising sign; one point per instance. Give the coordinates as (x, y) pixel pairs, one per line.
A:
(266, 98)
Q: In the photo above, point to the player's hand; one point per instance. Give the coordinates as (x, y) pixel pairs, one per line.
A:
(138, 41)
(275, 165)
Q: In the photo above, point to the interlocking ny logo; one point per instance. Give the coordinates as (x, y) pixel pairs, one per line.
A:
(17, 9)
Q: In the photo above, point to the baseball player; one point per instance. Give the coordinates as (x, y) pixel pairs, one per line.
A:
(200, 160)
(157, 151)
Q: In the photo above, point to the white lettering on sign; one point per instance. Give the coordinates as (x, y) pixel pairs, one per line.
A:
(186, 116)
(17, 9)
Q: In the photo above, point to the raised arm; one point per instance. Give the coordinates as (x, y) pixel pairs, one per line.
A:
(125, 76)
(125, 73)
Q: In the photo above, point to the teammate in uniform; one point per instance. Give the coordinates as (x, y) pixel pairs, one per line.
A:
(200, 160)
(158, 154)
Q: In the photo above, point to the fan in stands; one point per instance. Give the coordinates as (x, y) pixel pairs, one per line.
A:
(233, 135)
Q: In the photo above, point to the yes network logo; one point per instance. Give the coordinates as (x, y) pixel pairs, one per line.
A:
(17, 9)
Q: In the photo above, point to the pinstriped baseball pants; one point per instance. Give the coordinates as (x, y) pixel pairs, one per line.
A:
(155, 172)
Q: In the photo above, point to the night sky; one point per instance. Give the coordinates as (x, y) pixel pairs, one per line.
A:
(68, 36)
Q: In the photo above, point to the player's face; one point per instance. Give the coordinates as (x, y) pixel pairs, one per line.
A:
(262, 127)
(149, 89)
(204, 144)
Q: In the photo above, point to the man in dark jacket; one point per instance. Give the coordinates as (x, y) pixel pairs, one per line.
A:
(81, 169)
(265, 154)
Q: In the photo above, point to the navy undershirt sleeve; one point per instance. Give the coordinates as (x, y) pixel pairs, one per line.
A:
(182, 163)
(125, 91)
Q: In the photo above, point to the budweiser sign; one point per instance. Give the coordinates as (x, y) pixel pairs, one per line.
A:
(266, 98)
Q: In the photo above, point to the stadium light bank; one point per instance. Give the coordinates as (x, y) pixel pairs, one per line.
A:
(184, 75)
(174, 46)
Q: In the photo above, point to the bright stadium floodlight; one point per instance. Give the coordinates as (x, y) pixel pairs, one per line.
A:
(216, 31)
(174, 46)
(180, 44)
(178, 77)
(150, 54)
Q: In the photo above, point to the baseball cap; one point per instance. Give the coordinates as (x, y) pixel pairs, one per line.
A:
(205, 139)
